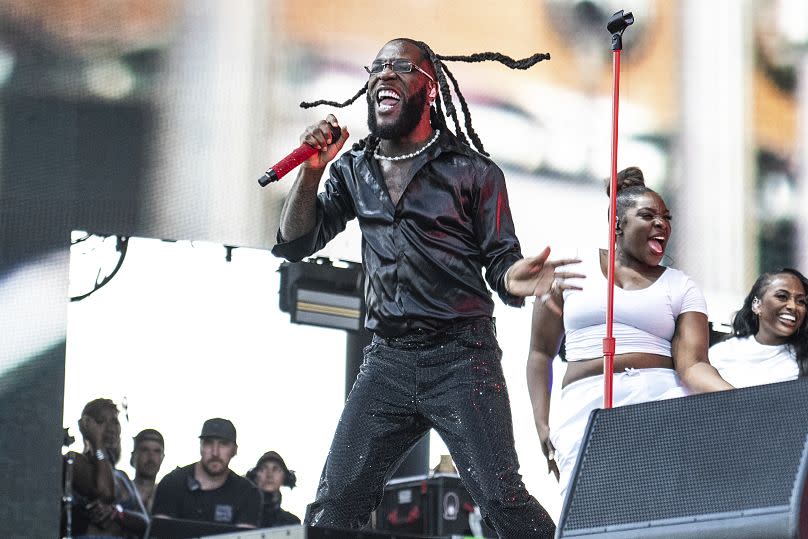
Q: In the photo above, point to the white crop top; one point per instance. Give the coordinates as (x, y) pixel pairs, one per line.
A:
(644, 320)
(744, 362)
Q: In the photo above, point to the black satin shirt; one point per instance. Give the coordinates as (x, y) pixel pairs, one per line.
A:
(423, 258)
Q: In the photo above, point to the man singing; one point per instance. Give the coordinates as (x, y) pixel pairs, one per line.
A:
(433, 213)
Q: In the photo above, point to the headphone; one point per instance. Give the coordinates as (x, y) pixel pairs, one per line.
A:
(290, 479)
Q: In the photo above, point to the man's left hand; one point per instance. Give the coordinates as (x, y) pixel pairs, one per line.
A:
(536, 276)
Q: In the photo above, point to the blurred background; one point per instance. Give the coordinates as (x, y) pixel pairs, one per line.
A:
(153, 119)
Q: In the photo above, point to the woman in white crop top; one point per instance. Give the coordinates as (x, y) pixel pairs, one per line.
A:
(660, 328)
(770, 333)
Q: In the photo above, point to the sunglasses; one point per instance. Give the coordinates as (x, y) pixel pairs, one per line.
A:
(398, 66)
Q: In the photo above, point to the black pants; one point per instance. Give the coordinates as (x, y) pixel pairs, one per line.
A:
(453, 382)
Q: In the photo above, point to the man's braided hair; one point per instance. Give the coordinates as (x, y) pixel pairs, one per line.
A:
(442, 73)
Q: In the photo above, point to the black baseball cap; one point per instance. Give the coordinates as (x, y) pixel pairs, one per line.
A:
(149, 435)
(219, 428)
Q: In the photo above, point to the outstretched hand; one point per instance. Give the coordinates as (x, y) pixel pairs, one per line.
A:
(537, 276)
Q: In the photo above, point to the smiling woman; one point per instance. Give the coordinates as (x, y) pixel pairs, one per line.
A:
(770, 333)
(660, 327)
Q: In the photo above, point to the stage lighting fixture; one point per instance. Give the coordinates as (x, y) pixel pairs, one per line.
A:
(319, 292)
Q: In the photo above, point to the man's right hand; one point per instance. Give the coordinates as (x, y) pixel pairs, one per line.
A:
(319, 136)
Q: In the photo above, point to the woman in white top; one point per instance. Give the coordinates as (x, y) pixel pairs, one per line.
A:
(770, 333)
(660, 328)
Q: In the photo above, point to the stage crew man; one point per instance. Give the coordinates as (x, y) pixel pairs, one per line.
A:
(147, 457)
(208, 490)
(433, 214)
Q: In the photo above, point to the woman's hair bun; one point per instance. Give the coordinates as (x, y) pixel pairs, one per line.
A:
(628, 177)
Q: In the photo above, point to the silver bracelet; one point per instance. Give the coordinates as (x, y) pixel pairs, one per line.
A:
(99, 455)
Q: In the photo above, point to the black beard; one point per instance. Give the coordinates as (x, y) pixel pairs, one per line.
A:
(210, 472)
(408, 119)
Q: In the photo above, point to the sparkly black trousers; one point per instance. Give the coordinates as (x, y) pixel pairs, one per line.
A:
(452, 382)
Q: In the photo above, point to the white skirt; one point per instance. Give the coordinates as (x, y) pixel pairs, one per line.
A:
(578, 399)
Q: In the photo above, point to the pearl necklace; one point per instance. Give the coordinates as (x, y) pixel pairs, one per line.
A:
(377, 155)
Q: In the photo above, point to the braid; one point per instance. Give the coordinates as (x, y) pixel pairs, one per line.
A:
(441, 71)
(439, 67)
(436, 118)
(359, 145)
(466, 114)
(524, 63)
(310, 104)
(444, 98)
(445, 94)
(367, 144)
(372, 144)
(450, 108)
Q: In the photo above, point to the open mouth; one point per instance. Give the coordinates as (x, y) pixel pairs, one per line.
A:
(787, 318)
(657, 245)
(386, 100)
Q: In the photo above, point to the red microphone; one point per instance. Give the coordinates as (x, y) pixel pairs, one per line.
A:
(303, 152)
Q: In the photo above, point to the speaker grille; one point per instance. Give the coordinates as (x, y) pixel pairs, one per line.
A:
(715, 453)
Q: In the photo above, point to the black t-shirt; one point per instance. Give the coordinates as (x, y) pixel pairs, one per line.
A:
(273, 515)
(179, 495)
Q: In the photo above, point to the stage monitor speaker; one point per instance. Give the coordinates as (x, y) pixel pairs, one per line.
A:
(726, 464)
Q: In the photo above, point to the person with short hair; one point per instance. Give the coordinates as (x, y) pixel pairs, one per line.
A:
(147, 457)
(269, 475)
(208, 490)
(105, 502)
(769, 341)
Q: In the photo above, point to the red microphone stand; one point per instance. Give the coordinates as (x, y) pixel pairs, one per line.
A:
(617, 25)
